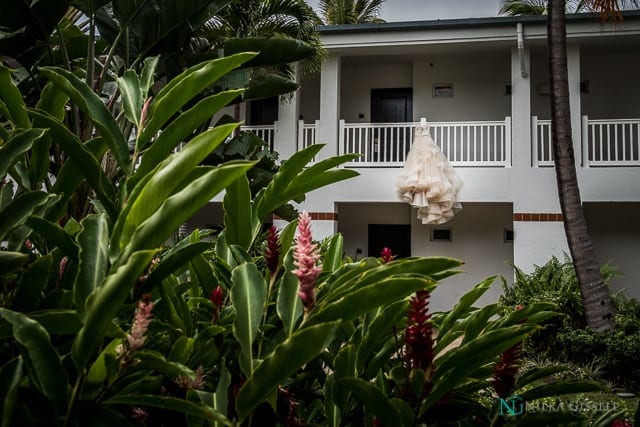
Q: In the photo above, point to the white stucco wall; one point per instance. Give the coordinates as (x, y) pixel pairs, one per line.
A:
(477, 240)
(478, 86)
(360, 76)
(614, 91)
(615, 232)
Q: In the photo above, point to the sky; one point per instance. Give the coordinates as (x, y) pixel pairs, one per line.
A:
(417, 10)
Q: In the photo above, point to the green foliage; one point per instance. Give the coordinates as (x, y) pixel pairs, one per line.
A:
(565, 338)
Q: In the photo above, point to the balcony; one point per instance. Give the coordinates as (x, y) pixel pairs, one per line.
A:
(605, 143)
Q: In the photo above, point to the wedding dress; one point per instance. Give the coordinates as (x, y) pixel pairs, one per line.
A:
(428, 181)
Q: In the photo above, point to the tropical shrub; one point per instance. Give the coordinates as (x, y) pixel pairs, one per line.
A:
(565, 338)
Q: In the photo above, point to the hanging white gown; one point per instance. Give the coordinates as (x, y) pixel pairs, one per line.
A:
(428, 181)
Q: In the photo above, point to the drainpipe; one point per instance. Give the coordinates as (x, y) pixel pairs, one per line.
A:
(523, 67)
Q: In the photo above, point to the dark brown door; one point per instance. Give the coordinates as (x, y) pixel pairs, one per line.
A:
(391, 106)
(396, 237)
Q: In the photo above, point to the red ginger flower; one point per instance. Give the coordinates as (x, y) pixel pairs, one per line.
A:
(505, 371)
(621, 423)
(217, 298)
(305, 257)
(418, 349)
(272, 252)
(387, 255)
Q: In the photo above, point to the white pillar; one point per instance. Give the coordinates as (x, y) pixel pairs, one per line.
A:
(520, 110)
(286, 140)
(329, 107)
(573, 64)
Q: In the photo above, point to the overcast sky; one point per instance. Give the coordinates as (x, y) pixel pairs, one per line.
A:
(417, 10)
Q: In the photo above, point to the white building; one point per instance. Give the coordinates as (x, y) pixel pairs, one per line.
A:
(483, 86)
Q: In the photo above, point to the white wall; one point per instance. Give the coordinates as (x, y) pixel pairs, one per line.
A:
(478, 87)
(358, 78)
(309, 98)
(614, 91)
(477, 240)
(615, 232)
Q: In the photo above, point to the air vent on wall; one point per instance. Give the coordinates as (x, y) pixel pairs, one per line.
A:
(441, 235)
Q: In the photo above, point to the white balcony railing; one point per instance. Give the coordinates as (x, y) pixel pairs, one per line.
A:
(604, 142)
(486, 143)
(307, 133)
(611, 142)
(265, 132)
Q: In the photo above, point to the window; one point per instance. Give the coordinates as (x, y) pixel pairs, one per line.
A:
(441, 235)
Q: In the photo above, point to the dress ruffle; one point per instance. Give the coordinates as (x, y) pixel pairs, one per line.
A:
(428, 181)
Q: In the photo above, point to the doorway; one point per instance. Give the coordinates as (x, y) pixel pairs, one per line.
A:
(391, 106)
(396, 237)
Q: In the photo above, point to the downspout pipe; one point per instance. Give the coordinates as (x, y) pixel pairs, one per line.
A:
(523, 65)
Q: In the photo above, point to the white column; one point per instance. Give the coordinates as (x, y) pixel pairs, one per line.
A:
(520, 109)
(573, 64)
(287, 129)
(329, 107)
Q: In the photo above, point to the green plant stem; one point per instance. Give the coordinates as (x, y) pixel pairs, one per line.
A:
(74, 397)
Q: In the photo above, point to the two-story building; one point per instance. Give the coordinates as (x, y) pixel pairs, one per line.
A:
(483, 86)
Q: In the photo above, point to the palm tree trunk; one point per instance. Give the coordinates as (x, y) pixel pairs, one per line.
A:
(596, 299)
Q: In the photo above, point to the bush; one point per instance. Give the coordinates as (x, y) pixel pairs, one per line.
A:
(565, 338)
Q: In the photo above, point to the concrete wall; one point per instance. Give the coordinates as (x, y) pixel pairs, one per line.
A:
(615, 232)
(478, 80)
(478, 240)
(358, 78)
(611, 94)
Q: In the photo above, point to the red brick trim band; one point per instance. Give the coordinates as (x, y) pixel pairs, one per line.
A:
(319, 216)
(538, 217)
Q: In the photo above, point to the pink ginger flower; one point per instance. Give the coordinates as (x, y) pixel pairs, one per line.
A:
(272, 251)
(136, 336)
(305, 258)
(197, 383)
(387, 255)
(621, 423)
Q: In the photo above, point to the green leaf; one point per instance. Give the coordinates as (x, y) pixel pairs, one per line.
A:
(103, 305)
(237, 213)
(458, 364)
(173, 96)
(46, 373)
(464, 304)
(179, 315)
(10, 375)
(182, 206)
(54, 236)
(181, 350)
(273, 51)
(12, 98)
(31, 283)
(93, 260)
(52, 101)
(286, 358)
(373, 399)
(220, 400)
(167, 178)
(169, 404)
(101, 371)
(561, 388)
(11, 150)
(248, 296)
(333, 257)
(55, 321)
(367, 298)
(91, 104)
(21, 208)
(147, 74)
(173, 262)
(83, 159)
(129, 85)
(178, 131)
(536, 374)
(289, 305)
(379, 330)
